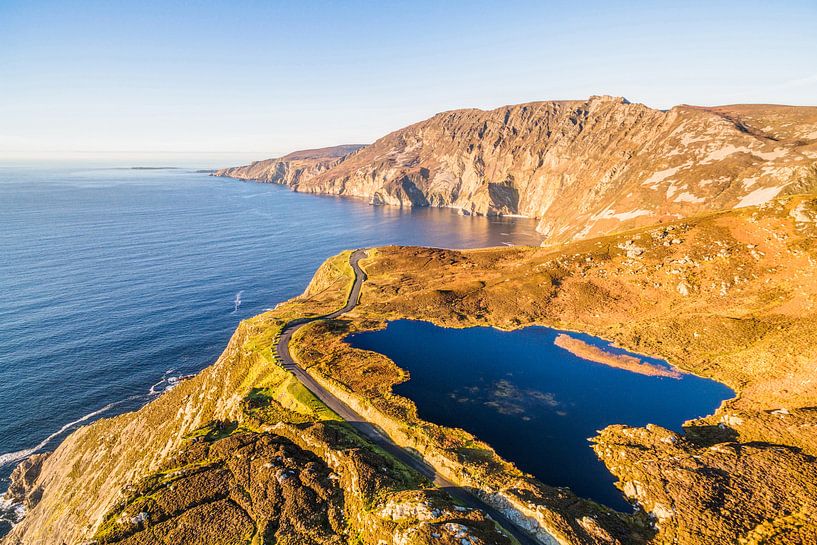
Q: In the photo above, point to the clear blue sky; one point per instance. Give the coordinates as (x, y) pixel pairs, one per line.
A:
(229, 81)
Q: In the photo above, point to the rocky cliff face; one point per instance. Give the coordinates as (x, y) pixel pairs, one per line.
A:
(582, 168)
(291, 169)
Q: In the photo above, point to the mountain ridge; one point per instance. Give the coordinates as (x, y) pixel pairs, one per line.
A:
(580, 167)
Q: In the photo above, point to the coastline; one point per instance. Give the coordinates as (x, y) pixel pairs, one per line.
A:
(459, 210)
(443, 286)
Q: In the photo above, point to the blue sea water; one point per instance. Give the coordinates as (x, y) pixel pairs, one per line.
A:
(535, 403)
(115, 282)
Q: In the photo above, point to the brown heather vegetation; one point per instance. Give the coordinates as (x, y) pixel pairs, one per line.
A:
(729, 296)
(243, 453)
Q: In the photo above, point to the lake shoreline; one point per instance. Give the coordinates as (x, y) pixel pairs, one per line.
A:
(534, 402)
(625, 362)
(118, 302)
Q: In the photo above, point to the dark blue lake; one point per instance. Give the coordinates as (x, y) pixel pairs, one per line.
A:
(115, 281)
(534, 402)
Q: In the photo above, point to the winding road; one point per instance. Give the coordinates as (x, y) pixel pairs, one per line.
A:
(369, 430)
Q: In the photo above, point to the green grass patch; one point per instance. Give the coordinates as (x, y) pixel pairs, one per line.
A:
(215, 430)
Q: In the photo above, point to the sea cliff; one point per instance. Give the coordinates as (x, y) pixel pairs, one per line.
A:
(581, 167)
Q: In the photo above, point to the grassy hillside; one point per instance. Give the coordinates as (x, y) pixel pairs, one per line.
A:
(729, 296)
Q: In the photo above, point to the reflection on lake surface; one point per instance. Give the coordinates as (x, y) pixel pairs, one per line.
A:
(534, 402)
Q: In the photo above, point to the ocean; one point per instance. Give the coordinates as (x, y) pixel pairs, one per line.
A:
(117, 282)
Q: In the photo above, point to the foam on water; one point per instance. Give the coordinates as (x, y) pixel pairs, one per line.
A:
(11, 512)
(237, 301)
(20, 455)
(168, 382)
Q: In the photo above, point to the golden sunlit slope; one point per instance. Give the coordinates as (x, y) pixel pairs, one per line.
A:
(583, 167)
(729, 296)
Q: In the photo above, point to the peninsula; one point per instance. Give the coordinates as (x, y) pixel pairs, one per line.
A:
(620, 361)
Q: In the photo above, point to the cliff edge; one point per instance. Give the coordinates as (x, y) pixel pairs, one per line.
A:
(582, 168)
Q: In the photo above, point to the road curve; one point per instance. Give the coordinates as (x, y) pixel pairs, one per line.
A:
(369, 430)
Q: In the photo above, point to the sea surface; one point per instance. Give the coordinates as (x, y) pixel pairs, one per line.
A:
(535, 403)
(117, 282)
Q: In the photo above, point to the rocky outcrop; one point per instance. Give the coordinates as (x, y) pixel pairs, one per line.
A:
(22, 479)
(582, 168)
(710, 493)
(291, 169)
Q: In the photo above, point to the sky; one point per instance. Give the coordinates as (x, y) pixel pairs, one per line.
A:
(215, 83)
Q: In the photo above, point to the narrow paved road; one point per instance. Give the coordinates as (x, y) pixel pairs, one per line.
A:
(369, 430)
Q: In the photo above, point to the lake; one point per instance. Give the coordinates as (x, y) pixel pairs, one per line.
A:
(115, 282)
(535, 403)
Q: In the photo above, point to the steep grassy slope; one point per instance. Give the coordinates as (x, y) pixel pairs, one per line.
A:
(82, 479)
(242, 453)
(584, 167)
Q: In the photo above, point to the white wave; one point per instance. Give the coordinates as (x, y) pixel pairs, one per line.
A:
(11, 457)
(237, 301)
(167, 383)
(154, 389)
(10, 511)
(172, 382)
